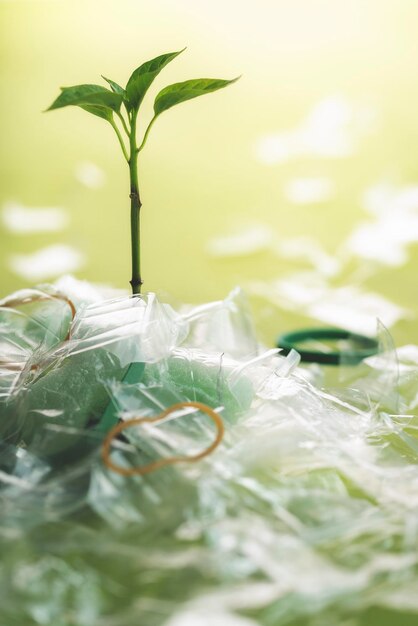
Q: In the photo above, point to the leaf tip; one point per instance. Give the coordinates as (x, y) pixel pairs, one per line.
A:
(176, 54)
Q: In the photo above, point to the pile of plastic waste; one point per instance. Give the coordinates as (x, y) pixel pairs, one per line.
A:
(306, 513)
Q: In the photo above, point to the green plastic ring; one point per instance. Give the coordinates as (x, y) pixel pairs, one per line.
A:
(290, 341)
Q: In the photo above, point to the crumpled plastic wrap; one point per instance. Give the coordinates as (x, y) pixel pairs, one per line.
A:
(306, 514)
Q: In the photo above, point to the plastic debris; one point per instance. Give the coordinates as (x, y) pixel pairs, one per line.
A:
(306, 513)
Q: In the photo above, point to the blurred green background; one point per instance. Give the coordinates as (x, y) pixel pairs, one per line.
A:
(228, 162)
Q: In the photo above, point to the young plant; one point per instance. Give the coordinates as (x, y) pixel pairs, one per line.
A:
(107, 104)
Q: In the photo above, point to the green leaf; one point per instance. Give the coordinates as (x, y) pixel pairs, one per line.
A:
(114, 86)
(106, 114)
(142, 78)
(92, 96)
(180, 92)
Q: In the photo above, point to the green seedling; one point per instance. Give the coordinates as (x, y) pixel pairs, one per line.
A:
(120, 106)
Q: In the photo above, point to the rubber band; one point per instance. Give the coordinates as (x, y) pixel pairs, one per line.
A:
(37, 297)
(367, 346)
(9, 365)
(155, 465)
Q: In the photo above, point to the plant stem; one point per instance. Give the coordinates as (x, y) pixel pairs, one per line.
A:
(122, 119)
(119, 136)
(136, 280)
(146, 133)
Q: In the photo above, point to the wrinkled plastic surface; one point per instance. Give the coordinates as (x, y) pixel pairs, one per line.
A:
(307, 514)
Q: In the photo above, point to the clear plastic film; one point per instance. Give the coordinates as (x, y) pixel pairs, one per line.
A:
(305, 514)
(30, 320)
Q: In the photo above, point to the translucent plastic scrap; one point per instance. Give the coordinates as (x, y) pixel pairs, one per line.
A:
(32, 491)
(67, 386)
(65, 392)
(187, 375)
(368, 387)
(43, 315)
(225, 326)
(306, 513)
(137, 328)
(51, 590)
(198, 376)
(266, 372)
(137, 500)
(31, 321)
(403, 369)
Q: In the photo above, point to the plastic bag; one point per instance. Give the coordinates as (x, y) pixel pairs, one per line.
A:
(305, 514)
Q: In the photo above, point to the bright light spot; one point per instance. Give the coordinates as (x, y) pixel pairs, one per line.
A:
(245, 242)
(384, 241)
(346, 307)
(349, 307)
(52, 261)
(307, 248)
(24, 220)
(387, 198)
(83, 292)
(406, 360)
(309, 190)
(205, 617)
(261, 238)
(275, 148)
(90, 175)
(332, 129)
(394, 228)
(408, 354)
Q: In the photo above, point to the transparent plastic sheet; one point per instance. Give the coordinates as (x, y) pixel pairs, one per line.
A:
(27, 324)
(371, 384)
(31, 321)
(305, 515)
(59, 394)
